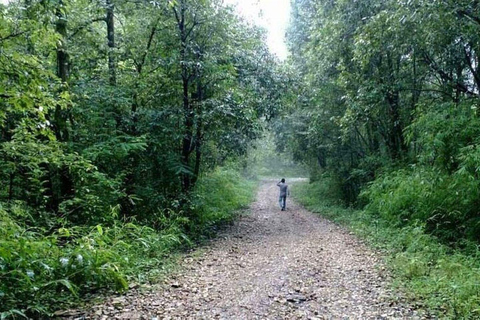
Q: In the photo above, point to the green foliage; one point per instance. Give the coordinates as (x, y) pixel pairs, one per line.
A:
(389, 108)
(219, 195)
(446, 134)
(129, 122)
(443, 282)
(323, 187)
(42, 272)
(441, 190)
(39, 272)
(446, 204)
(110, 113)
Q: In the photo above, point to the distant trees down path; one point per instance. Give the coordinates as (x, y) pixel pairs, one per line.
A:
(390, 95)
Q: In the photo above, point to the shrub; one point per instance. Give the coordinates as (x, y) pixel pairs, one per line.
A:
(218, 196)
(446, 204)
(41, 270)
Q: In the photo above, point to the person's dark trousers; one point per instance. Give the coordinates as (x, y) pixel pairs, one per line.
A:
(282, 201)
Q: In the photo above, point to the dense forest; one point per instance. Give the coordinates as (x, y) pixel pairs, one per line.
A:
(125, 126)
(388, 108)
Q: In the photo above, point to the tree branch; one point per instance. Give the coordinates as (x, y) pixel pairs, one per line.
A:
(443, 75)
(176, 14)
(468, 56)
(86, 25)
(194, 24)
(13, 35)
(469, 15)
(149, 44)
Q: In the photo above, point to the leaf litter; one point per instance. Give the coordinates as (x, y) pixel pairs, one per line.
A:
(270, 264)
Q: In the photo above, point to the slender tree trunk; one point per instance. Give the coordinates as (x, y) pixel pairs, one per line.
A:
(459, 76)
(199, 132)
(415, 92)
(187, 136)
(396, 132)
(61, 116)
(63, 70)
(188, 112)
(374, 143)
(29, 13)
(53, 202)
(62, 54)
(112, 64)
(322, 158)
(396, 141)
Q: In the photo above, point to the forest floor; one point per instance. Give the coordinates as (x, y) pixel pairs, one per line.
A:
(269, 264)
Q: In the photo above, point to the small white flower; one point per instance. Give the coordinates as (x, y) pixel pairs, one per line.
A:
(30, 274)
(79, 258)
(64, 261)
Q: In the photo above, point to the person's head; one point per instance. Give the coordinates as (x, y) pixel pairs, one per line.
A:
(283, 180)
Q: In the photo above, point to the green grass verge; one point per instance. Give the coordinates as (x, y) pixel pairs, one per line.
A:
(220, 195)
(42, 272)
(443, 282)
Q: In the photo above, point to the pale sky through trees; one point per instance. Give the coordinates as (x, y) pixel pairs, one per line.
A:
(270, 14)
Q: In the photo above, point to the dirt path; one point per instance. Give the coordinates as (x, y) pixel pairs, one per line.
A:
(270, 265)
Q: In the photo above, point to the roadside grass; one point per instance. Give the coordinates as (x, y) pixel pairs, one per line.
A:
(440, 281)
(220, 196)
(41, 272)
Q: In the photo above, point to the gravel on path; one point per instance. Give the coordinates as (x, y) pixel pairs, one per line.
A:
(270, 264)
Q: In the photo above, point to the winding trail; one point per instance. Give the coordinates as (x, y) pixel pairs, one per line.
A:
(271, 264)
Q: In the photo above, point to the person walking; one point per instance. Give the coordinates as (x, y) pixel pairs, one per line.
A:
(282, 200)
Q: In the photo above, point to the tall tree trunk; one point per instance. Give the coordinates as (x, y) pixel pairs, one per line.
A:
(63, 70)
(30, 15)
(61, 116)
(112, 64)
(188, 112)
(187, 137)
(395, 141)
(62, 54)
(199, 131)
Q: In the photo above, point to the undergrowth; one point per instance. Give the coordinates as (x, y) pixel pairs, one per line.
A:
(442, 281)
(42, 271)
